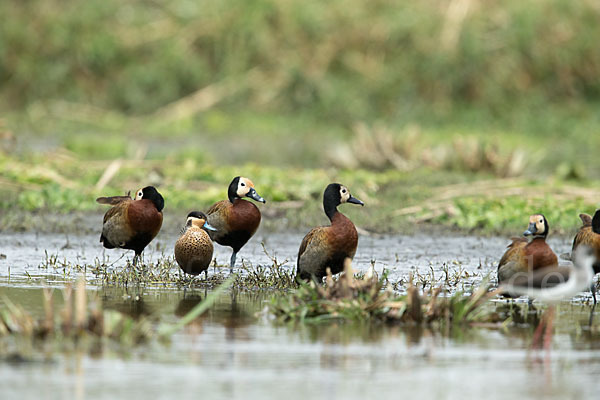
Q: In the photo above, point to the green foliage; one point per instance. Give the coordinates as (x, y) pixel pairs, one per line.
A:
(352, 298)
(341, 59)
(395, 200)
(504, 213)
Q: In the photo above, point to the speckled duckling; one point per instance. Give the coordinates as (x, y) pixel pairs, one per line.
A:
(194, 249)
(525, 256)
(329, 246)
(132, 223)
(235, 219)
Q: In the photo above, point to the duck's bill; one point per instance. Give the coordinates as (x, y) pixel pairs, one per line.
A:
(530, 231)
(354, 200)
(253, 195)
(209, 227)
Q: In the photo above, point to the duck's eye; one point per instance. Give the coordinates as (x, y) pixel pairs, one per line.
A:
(541, 221)
(344, 191)
(140, 193)
(242, 184)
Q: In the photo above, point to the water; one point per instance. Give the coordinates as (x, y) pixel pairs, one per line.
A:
(233, 351)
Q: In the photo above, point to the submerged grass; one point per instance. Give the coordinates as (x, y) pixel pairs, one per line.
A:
(84, 318)
(164, 272)
(370, 298)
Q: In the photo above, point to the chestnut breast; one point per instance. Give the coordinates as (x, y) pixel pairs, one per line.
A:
(243, 216)
(342, 237)
(540, 253)
(143, 217)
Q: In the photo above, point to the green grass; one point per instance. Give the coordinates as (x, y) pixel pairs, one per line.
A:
(339, 59)
(285, 83)
(368, 298)
(396, 201)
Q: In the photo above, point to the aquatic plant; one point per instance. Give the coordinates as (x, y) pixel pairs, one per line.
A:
(81, 317)
(165, 272)
(370, 297)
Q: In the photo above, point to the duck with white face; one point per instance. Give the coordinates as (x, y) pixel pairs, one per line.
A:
(538, 227)
(132, 223)
(524, 256)
(235, 219)
(194, 249)
(326, 247)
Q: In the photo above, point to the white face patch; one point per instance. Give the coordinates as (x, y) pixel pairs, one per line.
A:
(344, 194)
(244, 186)
(538, 220)
(139, 195)
(194, 221)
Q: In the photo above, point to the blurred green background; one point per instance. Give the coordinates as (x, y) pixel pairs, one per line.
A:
(415, 96)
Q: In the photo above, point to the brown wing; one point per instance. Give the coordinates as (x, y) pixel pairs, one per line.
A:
(586, 219)
(118, 208)
(313, 254)
(586, 236)
(218, 206)
(314, 232)
(112, 200)
(518, 243)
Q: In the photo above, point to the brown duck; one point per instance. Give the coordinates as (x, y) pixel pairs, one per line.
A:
(235, 220)
(132, 223)
(328, 246)
(523, 257)
(589, 235)
(194, 249)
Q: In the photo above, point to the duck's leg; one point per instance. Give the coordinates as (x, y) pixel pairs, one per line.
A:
(539, 330)
(549, 326)
(593, 290)
(232, 263)
(206, 275)
(136, 259)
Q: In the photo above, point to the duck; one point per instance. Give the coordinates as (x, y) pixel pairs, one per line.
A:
(235, 220)
(329, 246)
(194, 248)
(553, 284)
(589, 235)
(524, 256)
(132, 223)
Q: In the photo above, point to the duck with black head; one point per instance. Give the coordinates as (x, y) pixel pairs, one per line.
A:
(328, 246)
(524, 256)
(132, 223)
(194, 249)
(589, 235)
(235, 220)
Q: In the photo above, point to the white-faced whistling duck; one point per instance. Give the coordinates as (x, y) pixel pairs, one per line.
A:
(589, 235)
(525, 256)
(328, 246)
(132, 223)
(235, 219)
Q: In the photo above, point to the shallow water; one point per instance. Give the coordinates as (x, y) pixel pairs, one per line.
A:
(232, 352)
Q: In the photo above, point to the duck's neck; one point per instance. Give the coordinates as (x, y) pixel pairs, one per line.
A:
(232, 197)
(330, 210)
(538, 237)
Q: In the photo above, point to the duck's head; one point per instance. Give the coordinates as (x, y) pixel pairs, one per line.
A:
(199, 220)
(538, 226)
(150, 193)
(596, 222)
(242, 187)
(336, 194)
